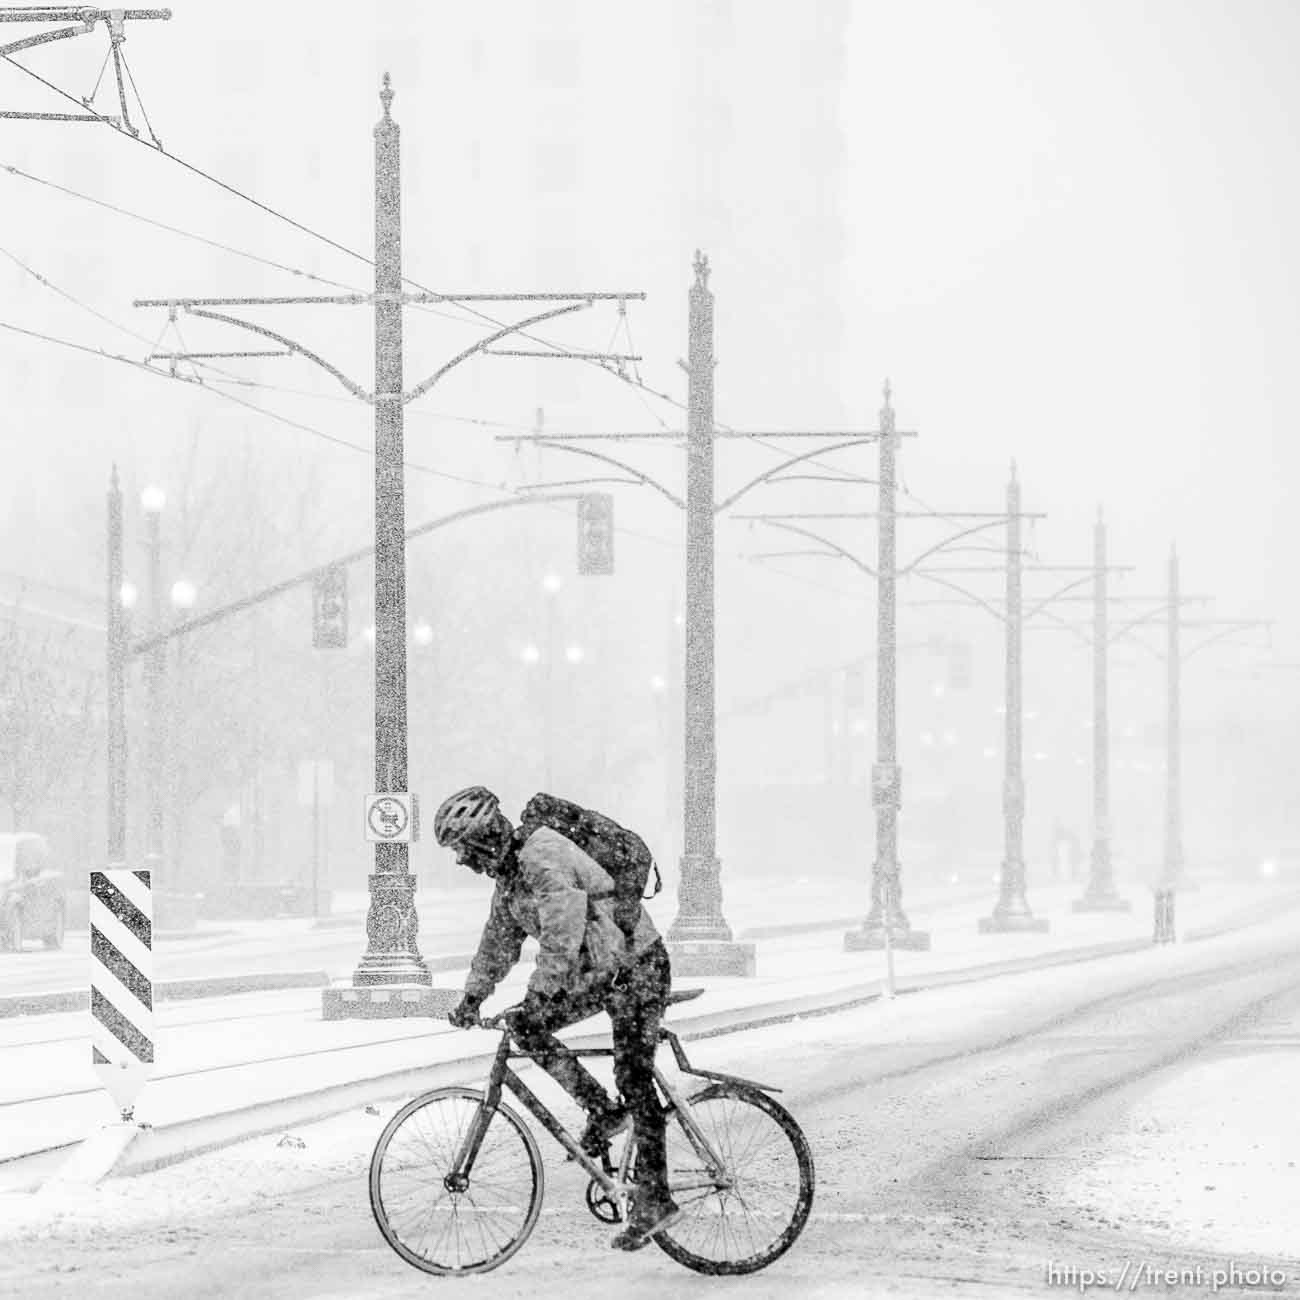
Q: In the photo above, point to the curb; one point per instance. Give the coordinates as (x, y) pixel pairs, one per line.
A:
(222, 985)
(156, 1148)
(34, 1004)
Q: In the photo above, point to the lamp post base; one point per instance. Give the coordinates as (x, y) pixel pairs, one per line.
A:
(871, 938)
(391, 1002)
(700, 941)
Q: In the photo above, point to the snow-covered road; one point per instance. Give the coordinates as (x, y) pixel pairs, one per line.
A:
(1112, 1120)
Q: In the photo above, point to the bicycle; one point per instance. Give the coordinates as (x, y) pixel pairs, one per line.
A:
(456, 1178)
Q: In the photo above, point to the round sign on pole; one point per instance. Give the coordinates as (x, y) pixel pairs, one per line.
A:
(392, 818)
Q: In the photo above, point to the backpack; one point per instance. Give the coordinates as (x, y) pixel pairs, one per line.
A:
(620, 853)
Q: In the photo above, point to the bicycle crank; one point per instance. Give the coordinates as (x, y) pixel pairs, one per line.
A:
(602, 1205)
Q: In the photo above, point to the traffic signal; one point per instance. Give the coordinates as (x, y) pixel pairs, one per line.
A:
(329, 609)
(596, 533)
(959, 661)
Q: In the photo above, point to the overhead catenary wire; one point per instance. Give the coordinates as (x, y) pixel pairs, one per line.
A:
(63, 293)
(315, 234)
(674, 543)
(634, 382)
(235, 191)
(483, 316)
(239, 401)
(177, 230)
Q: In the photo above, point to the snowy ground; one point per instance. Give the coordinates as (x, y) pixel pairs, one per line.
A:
(1138, 1110)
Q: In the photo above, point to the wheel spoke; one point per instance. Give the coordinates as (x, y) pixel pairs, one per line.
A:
(761, 1207)
(433, 1227)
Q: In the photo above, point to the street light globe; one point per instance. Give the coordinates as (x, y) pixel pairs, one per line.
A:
(530, 654)
(422, 633)
(657, 683)
(183, 594)
(152, 500)
(574, 654)
(128, 594)
(552, 583)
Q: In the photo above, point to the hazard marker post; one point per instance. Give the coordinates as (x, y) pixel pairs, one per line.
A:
(121, 983)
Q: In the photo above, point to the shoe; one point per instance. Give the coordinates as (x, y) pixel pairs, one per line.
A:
(650, 1216)
(601, 1128)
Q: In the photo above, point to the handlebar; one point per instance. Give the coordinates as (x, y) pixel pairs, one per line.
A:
(497, 1021)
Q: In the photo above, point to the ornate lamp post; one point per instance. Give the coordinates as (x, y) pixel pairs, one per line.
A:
(1012, 911)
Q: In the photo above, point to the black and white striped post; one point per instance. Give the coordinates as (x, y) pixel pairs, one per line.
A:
(121, 983)
(121, 923)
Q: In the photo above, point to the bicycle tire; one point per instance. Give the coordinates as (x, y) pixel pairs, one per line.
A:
(771, 1168)
(412, 1157)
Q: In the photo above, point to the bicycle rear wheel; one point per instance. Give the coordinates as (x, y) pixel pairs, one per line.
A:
(429, 1223)
(742, 1217)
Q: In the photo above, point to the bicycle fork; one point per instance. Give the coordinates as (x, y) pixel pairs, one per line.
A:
(715, 1167)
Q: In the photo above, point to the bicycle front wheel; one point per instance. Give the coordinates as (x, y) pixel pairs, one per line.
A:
(433, 1223)
(741, 1217)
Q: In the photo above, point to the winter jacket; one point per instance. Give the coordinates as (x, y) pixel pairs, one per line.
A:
(562, 898)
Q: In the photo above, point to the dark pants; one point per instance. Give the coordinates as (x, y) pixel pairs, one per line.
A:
(636, 1006)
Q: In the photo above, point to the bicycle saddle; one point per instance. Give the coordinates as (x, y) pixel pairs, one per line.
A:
(683, 995)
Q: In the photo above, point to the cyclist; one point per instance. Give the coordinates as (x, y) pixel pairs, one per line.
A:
(549, 889)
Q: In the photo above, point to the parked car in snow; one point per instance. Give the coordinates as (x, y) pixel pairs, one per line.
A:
(33, 897)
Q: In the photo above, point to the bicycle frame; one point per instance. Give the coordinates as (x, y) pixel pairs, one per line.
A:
(618, 1185)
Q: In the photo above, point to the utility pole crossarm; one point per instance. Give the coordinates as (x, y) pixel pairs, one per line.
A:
(970, 597)
(767, 475)
(538, 354)
(87, 18)
(956, 537)
(301, 300)
(753, 434)
(582, 299)
(755, 556)
(1063, 592)
(76, 13)
(669, 435)
(578, 482)
(903, 514)
(481, 346)
(636, 474)
(1162, 609)
(1078, 568)
(212, 356)
(354, 388)
(832, 547)
(1228, 627)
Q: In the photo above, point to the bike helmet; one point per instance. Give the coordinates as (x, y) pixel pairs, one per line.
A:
(468, 813)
